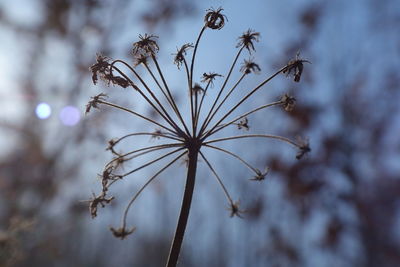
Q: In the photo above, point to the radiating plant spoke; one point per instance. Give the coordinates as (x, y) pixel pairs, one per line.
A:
(145, 185)
(256, 171)
(217, 178)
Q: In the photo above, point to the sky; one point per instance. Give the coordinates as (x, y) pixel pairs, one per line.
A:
(348, 40)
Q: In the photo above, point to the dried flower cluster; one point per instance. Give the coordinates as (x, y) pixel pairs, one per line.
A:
(186, 139)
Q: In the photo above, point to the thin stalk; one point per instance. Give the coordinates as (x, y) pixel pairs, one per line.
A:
(195, 111)
(201, 103)
(190, 93)
(194, 55)
(151, 134)
(136, 114)
(144, 186)
(244, 115)
(142, 152)
(151, 162)
(169, 93)
(220, 92)
(191, 76)
(218, 179)
(281, 138)
(161, 89)
(223, 101)
(235, 156)
(165, 114)
(185, 208)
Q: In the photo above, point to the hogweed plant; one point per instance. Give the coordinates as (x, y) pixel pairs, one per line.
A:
(184, 139)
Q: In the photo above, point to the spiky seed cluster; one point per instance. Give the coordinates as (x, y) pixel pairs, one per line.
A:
(247, 40)
(288, 102)
(197, 89)
(94, 102)
(181, 53)
(141, 59)
(96, 201)
(260, 176)
(209, 78)
(101, 67)
(248, 66)
(295, 65)
(303, 149)
(235, 210)
(243, 124)
(146, 45)
(177, 135)
(214, 19)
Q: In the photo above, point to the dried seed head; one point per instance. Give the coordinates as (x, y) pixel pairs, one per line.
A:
(111, 144)
(157, 134)
(260, 176)
(288, 102)
(101, 67)
(243, 124)
(93, 103)
(214, 19)
(295, 65)
(197, 89)
(304, 147)
(235, 210)
(145, 46)
(180, 54)
(116, 80)
(122, 232)
(108, 176)
(102, 200)
(247, 38)
(248, 66)
(141, 59)
(209, 78)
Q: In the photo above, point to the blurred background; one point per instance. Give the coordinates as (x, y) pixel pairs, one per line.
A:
(339, 206)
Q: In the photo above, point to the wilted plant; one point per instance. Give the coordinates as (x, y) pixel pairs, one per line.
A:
(185, 137)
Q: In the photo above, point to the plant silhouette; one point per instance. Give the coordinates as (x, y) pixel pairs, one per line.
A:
(184, 138)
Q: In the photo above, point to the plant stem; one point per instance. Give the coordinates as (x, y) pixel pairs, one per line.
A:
(185, 208)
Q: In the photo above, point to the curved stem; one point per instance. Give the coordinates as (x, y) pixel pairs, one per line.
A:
(163, 114)
(169, 93)
(185, 208)
(142, 151)
(201, 104)
(218, 179)
(150, 134)
(281, 138)
(190, 94)
(220, 92)
(222, 126)
(144, 186)
(223, 101)
(151, 162)
(159, 86)
(136, 114)
(234, 155)
(194, 55)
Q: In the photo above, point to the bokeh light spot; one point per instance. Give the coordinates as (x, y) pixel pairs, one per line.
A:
(43, 111)
(70, 115)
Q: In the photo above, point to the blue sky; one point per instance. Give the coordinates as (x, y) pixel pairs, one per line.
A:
(348, 46)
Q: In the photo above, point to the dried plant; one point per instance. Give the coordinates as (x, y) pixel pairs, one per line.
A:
(184, 139)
